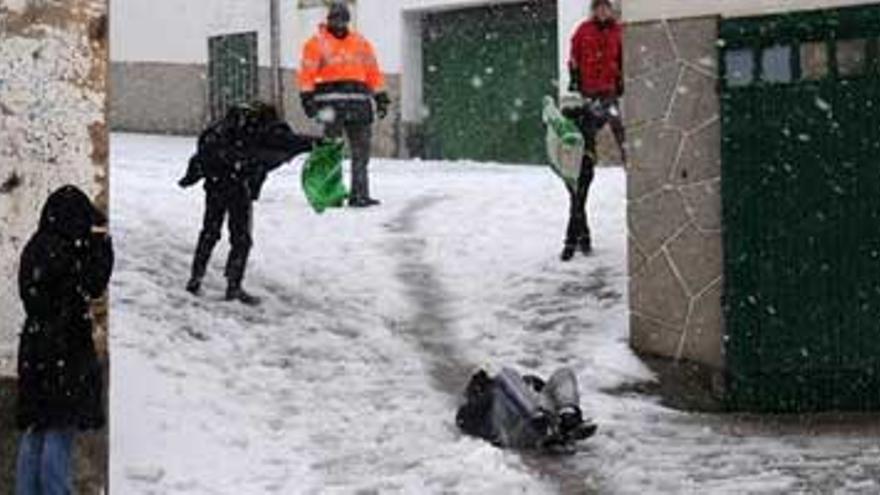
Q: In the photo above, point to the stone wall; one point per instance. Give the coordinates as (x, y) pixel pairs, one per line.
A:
(674, 198)
(166, 98)
(53, 63)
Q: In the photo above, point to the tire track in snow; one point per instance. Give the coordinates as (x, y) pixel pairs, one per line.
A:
(431, 329)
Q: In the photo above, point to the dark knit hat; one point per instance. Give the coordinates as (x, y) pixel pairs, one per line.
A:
(339, 11)
(596, 3)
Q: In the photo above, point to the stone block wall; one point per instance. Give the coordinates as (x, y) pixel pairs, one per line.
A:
(671, 108)
(53, 64)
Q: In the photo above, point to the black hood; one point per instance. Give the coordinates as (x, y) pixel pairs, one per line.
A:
(70, 213)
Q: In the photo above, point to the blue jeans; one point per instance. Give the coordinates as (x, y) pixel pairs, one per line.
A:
(44, 463)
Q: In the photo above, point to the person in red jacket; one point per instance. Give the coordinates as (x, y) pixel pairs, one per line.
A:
(596, 67)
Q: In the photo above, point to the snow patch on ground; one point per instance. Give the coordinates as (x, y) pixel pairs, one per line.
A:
(344, 381)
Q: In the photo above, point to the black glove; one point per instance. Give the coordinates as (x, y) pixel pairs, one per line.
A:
(574, 84)
(310, 106)
(620, 87)
(382, 104)
(193, 175)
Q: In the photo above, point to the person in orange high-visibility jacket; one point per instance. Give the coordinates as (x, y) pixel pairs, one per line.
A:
(339, 82)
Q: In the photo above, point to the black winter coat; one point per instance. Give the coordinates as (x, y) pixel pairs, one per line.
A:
(241, 149)
(63, 267)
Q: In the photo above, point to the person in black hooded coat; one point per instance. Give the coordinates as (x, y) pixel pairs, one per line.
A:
(65, 265)
(234, 157)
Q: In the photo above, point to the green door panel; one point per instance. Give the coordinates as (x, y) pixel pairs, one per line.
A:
(486, 71)
(232, 71)
(801, 204)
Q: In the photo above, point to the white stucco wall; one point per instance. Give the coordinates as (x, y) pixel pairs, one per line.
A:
(52, 130)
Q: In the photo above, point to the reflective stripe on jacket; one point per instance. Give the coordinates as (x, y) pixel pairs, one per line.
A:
(327, 59)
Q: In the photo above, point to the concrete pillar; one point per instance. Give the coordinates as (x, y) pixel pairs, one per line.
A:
(674, 189)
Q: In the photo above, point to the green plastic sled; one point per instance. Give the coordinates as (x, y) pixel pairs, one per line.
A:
(565, 143)
(322, 177)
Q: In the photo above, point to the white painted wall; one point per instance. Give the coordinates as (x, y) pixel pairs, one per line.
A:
(176, 31)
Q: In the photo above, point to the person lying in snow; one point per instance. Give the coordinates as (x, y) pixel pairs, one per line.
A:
(524, 412)
(64, 266)
(234, 157)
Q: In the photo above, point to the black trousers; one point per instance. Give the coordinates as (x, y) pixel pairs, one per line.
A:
(578, 230)
(359, 135)
(235, 203)
(590, 122)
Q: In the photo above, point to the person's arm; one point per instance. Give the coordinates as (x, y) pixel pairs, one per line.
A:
(574, 69)
(308, 76)
(98, 265)
(620, 80)
(376, 80)
(281, 144)
(33, 274)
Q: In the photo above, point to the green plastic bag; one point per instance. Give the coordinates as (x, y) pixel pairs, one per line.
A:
(322, 177)
(565, 143)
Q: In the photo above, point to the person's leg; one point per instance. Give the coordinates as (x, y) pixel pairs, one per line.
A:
(56, 462)
(572, 231)
(590, 126)
(215, 211)
(561, 391)
(585, 180)
(562, 396)
(240, 237)
(577, 233)
(27, 468)
(360, 136)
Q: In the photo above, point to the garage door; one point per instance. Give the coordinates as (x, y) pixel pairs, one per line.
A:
(485, 73)
(801, 185)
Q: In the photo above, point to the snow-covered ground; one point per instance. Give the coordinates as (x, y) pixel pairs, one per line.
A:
(345, 379)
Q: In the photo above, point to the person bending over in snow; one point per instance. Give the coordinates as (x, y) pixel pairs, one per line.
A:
(234, 157)
(524, 412)
(597, 75)
(339, 82)
(65, 265)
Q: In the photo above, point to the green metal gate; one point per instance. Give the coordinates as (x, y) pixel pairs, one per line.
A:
(801, 188)
(485, 72)
(232, 71)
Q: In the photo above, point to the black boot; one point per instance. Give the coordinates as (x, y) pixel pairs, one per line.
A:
(194, 286)
(234, 292)
(585, 244)
(567, 252)
(572, 426)
(363, 202)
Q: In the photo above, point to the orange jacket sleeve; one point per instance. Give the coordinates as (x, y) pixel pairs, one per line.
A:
(375, 79)
(309, 66)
